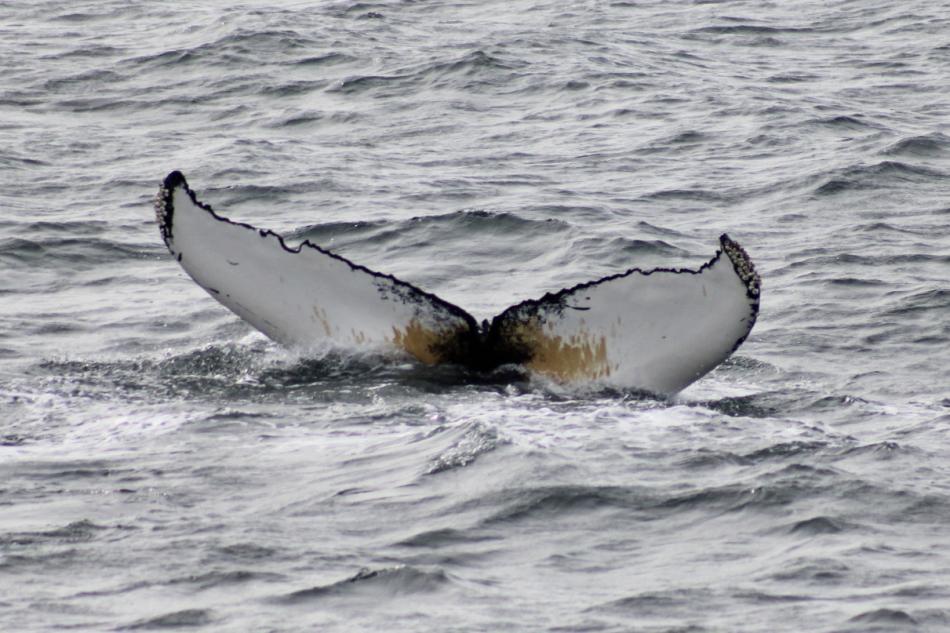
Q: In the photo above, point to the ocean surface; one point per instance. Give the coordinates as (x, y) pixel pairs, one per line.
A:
(164, 466)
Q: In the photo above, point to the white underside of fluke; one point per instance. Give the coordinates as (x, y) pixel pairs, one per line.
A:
(300, 296)
(655, 330)
(658, 331)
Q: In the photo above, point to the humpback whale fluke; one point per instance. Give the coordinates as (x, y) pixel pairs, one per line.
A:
(655, 330)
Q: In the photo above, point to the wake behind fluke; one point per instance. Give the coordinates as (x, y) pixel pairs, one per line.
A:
(652, 330)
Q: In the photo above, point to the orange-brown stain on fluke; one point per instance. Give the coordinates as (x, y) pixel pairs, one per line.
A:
(580, 356)
(419, 341)
(320, 315)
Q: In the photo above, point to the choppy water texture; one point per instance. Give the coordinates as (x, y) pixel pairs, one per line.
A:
(163, 466)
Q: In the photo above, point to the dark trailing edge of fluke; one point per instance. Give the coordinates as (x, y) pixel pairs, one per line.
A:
(655, 330)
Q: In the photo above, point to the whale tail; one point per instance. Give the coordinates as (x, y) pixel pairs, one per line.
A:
(656, 330)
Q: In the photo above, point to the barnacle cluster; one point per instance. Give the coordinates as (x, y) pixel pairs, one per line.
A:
(163, 212)
(743, 266)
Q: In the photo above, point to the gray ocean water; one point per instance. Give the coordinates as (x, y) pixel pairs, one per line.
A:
(163, 466)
